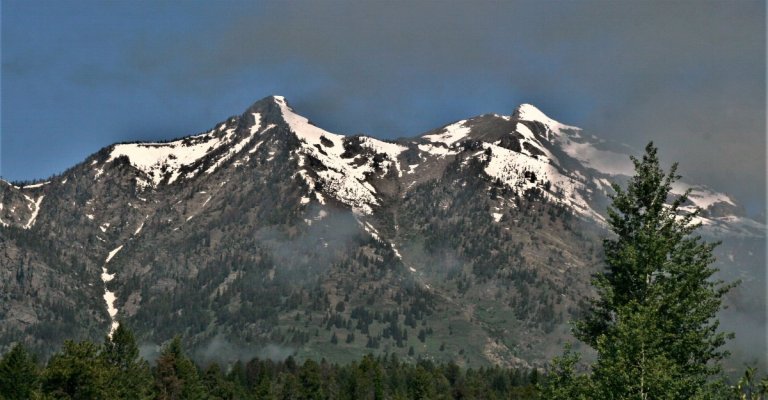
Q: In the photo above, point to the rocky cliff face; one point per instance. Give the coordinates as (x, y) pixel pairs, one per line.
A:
(269, 236)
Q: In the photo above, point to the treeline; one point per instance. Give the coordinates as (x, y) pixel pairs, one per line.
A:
(114, 370)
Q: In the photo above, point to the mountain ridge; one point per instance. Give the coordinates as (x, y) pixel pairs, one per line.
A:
(529, 121)
(257, 230)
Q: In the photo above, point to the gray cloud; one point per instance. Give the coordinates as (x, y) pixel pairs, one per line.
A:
(224, 352)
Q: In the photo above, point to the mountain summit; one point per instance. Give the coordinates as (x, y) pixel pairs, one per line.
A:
(472, 242)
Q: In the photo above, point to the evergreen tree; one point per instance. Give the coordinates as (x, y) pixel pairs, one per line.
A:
(654, 322)
(131, 376)
(18, 374)
(562, 382)
(368, 379)
(421, 384)
(216, 385)
(311, 384)
(290, 388)
(88, 371)
(77, 372)
(176, 376)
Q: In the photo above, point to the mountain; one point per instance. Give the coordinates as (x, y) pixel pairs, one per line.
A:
(270, 236)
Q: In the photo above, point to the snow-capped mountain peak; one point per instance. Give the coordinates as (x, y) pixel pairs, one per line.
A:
(257, 208)
(304, 130)
(533, 116)
(530, 150)
(347, 163)
(185, 158)
(527, 150)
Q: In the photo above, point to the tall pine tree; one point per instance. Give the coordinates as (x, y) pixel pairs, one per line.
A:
(77, 372)
(176, 375)
(654, 322)
(131, 377)
(19, 375)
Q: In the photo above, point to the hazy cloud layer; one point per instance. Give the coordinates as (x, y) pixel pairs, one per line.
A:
(689, 75)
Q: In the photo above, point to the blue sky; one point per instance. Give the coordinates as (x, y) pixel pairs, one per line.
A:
(80, 75)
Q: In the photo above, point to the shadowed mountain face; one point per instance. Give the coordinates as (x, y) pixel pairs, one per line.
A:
(268, 236)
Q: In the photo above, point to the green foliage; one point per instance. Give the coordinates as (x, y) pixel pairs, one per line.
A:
(131, 377)
(748, 388)
(310, 380)
(176, 375)
(654, 322)
(563, 383)
(81, 370)
(77, 372)
(18, 374)
(88, 371)
(216, 384)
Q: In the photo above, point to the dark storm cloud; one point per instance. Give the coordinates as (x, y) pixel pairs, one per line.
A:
(688, 75)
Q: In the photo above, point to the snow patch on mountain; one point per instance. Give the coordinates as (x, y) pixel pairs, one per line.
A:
(522, 173)
(34, 206)
(528, 112)
(731, 225)
(450, 134)
(530, 139)
(346, 179)
(239, 146)
(256, 123)
(36, 185)
(438, 151)
(112, 254)
(303, 129)
(109, 296)
(155, 159)
(701, 196)
(391, 150)
(606, 162)
(138, 230)
(158, 160)
(568, 138)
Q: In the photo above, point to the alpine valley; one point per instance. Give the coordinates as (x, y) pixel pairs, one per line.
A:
(268, 236)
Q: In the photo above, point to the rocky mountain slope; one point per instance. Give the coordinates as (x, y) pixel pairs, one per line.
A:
(269, 236)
